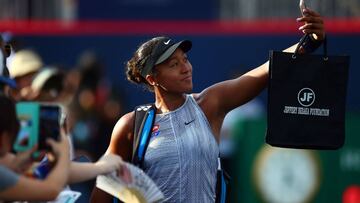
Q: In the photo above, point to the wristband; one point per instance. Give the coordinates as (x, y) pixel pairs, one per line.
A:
(310, 44)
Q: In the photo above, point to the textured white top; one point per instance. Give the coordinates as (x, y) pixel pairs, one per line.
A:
(182, 155)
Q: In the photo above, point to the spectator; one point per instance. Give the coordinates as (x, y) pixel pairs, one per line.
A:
(48, 85)
(24, 65)
(18, 187)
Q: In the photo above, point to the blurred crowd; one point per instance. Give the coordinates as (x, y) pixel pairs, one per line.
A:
(89, 105)
(92, 106)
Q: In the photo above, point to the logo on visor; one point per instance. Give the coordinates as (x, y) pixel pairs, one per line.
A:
(306, 97)
(167, 42)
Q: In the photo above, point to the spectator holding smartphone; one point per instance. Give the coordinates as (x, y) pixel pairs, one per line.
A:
(50, 80)
(15, 186)
(18, 187)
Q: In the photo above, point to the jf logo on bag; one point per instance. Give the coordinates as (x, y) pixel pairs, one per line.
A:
(306, 100)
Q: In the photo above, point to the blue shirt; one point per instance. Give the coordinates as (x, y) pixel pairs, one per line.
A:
(8, 178)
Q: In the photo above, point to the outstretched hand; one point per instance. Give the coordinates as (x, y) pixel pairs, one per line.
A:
(112, 162)
(314, 24)
(109, 163)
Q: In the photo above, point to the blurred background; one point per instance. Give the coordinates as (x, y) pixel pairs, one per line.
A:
(90, 41)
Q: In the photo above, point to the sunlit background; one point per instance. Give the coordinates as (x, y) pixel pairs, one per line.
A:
(92, 40)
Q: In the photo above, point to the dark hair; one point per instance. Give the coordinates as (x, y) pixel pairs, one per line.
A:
(8, 119)
(137, 62)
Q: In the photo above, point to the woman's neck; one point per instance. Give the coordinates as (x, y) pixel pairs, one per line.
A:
(168, 102)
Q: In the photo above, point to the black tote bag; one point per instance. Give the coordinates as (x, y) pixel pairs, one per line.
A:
(306, 100)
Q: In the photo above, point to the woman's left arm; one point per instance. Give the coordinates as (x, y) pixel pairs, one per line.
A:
(233, 93)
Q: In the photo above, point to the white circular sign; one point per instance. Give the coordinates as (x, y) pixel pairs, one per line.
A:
(306, 97)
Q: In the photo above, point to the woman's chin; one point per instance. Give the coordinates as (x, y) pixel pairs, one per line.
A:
(189, 89)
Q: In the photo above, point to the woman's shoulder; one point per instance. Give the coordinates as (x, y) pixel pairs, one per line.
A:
(203, 100)
(122, 136)
(125, 123)
(123, 128)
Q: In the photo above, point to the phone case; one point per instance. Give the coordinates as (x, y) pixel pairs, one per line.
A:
(38, 121)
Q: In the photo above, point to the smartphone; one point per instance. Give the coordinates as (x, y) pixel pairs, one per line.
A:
(38, 121)
(49, 124)
(302, 6)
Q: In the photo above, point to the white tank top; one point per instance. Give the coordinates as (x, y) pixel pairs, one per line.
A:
(182, 155)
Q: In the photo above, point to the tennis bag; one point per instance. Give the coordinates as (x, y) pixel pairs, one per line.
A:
(144, 121)
(306, 100)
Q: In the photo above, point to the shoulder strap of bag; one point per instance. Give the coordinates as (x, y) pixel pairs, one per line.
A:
(222, 184)
(143, 122)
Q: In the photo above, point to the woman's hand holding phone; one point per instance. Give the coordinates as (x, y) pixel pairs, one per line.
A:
(314, 24)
